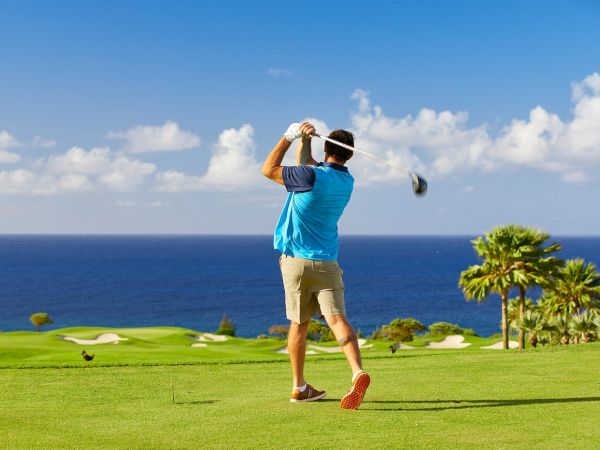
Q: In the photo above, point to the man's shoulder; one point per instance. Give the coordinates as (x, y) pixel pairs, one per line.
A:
(299, 178)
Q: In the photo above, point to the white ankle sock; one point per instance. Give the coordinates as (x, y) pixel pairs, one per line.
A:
(356, 374)
(301, 388)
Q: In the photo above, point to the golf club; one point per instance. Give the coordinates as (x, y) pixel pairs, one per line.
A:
(419, 184)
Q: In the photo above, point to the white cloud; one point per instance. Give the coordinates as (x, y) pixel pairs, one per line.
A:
(437, 143)
(134, 204)
(442, 143)
(78, 160)
(7, 141)
(40, 142)
(576, 177)
(232, 165)
(278, 72)
(125, 174)
(168, 137)
(9, 157)
(77, 170)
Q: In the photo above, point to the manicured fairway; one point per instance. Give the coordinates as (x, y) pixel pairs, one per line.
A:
(420, 399)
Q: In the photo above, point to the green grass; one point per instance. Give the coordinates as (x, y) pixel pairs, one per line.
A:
(541, 399)
(157, 345)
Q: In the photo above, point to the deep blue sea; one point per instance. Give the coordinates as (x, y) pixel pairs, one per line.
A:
(191, 281)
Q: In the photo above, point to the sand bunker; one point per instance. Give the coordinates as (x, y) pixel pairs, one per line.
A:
(207, 337)
(200, 345)
(362, 344)
(105, 338)
(284, 350)
(449, 342)
(498, 345)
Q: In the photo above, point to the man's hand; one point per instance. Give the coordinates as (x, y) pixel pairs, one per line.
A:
(297, 130)
(293, 132)
(307, 129)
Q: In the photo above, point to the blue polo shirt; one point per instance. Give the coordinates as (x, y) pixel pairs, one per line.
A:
(307, 227)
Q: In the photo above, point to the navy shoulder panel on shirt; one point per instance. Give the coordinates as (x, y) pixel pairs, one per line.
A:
(299, 178)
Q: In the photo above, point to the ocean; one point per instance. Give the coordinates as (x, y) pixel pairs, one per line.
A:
(192, 281)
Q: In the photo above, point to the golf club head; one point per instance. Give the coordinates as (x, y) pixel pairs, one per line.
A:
(419, 184)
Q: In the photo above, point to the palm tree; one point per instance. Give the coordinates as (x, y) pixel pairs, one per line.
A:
(496, 274)
(576, 287)
(533, 265)
(584, 326)
(533, 323)
(514, 314)
(562, 327)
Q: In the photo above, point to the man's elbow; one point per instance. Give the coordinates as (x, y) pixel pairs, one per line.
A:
(267, 171)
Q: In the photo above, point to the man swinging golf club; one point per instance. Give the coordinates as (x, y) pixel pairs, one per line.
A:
(307, 237)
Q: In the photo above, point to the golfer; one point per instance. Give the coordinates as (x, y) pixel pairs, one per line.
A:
(307, 237)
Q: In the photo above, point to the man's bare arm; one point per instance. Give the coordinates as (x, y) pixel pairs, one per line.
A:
(304, 152)
(272, 166)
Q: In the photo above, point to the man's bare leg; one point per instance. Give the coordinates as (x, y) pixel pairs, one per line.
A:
(297, 351)
(344, 333)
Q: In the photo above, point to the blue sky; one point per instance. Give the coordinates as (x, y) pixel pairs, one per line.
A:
(152, 117)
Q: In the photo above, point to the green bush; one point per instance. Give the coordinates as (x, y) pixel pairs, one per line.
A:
(280, 331)
(399, 330)
(320, 332)
(445, 329)
(226, 327)
(40, 319)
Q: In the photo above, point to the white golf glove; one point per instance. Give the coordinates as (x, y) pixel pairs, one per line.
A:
(293, 132)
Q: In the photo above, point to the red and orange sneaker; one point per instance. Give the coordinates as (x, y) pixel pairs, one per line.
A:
(309, 394)
(354, 398)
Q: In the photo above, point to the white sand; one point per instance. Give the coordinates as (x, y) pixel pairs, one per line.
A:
(207, 337)
(362, 343)
(498, 345)
(449, 342)
(200, 344)
(105, 338)
(284, 350)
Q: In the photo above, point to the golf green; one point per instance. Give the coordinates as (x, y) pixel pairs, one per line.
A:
(540, 399)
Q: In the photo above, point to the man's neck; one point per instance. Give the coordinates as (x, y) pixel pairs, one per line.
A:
(331, 159)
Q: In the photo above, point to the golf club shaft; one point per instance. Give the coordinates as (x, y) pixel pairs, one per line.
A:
(354, 149)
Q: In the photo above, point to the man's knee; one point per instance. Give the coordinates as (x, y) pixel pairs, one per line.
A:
(335, 319)
(346, 339)
(299, 326)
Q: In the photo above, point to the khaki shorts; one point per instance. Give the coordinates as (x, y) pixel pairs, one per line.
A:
(311, 288)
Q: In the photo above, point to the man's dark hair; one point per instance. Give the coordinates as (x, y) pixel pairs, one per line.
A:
(338, 152)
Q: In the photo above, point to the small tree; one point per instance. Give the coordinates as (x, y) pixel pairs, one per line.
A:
(226, 327)
(533, 324)
(399, 330)
(40, 319)
(319, 331)
(584, 326)
(445, 329)
(280, 331)
(562, 329)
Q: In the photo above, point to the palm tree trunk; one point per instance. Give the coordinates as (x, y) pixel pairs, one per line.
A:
(504, 296)
(521, 314)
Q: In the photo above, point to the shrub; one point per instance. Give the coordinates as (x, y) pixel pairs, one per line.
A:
(445, 329)
(399, 330)
(226, 327)
(40, 319)
(280, 331)
(319, 331)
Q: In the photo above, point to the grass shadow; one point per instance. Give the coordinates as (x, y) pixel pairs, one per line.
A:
(444, 405)
(196, 402)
